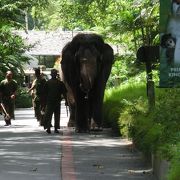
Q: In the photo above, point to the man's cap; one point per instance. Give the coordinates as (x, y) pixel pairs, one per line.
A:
(37, 70)
(54, 71)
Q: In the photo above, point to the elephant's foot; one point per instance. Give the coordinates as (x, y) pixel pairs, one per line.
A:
(80, 130)
(96, 129)
(71, 123)
(94, 126)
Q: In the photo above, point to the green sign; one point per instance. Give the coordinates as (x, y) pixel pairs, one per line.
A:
(169, 43)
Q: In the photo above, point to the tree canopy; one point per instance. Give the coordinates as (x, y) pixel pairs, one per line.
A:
(12, 46)
(137, 19)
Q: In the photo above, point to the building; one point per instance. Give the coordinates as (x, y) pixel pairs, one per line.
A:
(46, 46)
(45, 51)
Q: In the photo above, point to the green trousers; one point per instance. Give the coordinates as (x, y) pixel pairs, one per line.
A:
(52, 108)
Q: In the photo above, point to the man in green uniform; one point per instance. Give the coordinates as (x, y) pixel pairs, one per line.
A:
(8, 88)
(39, 96)
(54, 89)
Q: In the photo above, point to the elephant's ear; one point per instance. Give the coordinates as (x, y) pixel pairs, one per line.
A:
(107, 58)
(107, 54)
(68, 64)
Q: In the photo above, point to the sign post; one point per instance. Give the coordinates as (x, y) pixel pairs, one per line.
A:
(149, 55)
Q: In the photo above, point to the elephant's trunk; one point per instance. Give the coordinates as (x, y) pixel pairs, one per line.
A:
(88, 74)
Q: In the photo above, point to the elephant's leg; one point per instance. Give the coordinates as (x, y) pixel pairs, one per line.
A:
(71, 122)
(97, 111)
(82, 124)
(71, 103)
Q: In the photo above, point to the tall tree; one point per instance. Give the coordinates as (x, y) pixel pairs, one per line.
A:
(128, 20)
(12, 46)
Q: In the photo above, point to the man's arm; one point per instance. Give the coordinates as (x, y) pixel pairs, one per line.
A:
(13, 95)
(1, 91)
(32, 86)
(1, 94)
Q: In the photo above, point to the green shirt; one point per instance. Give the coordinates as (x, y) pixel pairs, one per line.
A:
(39, 86)
(54, 89)
(8, 88)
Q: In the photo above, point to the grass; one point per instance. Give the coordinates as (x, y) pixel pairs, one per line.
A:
(158, 131)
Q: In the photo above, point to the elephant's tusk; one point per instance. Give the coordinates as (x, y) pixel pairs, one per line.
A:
(86, 96)
(84, 59)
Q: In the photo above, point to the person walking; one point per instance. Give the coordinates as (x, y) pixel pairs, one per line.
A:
(38, 96)
(8, 88)
(54, 90)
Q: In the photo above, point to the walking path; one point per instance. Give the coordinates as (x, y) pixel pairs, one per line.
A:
(27, 152)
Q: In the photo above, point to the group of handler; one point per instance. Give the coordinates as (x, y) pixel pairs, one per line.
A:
(47, 96)
(47, 99)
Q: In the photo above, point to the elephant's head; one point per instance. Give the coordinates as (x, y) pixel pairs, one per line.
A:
(84, 58)
(87, 59)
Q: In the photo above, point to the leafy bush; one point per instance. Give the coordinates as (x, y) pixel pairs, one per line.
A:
(23, 99)
(115, 100)
(174, 172)
(124, 67)
(156, 130)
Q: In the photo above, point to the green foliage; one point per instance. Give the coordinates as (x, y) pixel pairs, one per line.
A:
(145, 133)
(152, 131)
(126, 118)
(11, 47)
(131, 23)
(23, 99)
(167, 113)
(174, 172)
(123, 69)
(116, 98)
(12, 11)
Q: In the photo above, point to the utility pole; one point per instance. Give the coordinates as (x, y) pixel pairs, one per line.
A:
(149, 55)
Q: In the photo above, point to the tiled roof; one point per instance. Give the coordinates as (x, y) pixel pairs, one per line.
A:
(48, 43)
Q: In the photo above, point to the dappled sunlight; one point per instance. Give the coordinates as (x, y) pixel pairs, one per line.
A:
(107, 157)
(27, 152)
(101, 142)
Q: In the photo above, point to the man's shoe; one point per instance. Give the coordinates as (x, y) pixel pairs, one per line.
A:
(56, 131)
(48, 131)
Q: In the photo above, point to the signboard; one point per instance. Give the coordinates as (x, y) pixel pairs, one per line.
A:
(169, 43)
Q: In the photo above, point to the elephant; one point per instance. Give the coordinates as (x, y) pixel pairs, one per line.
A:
(86, 65)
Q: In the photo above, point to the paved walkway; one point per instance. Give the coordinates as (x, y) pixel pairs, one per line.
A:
(27, 152)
